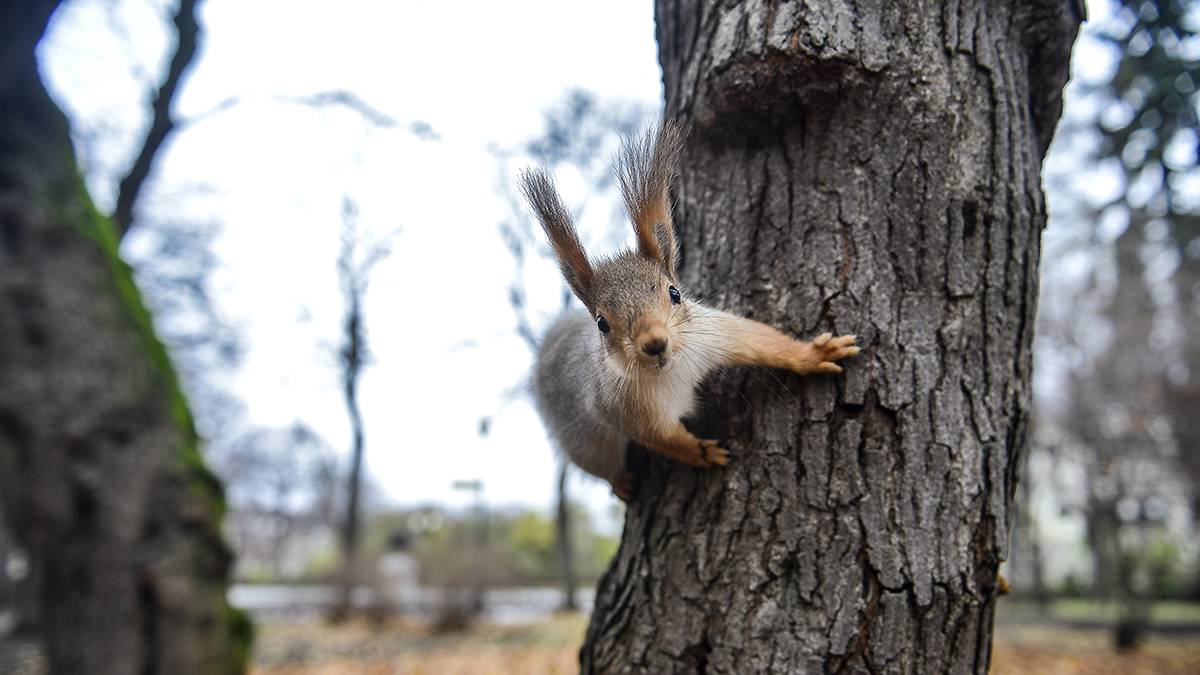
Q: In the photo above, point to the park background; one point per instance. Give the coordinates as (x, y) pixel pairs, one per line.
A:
(358, 160)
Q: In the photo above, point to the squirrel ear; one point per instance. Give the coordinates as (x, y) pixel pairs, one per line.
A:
(664, 236)
(645, 169)
(539, 191)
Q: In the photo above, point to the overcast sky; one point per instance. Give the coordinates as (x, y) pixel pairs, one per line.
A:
(273, 175)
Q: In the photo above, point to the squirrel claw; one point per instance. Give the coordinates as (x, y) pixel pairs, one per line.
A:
(830, 349)
(712, 455)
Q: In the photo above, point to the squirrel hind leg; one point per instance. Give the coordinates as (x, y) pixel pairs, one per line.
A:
(602, 457)
(624, 486)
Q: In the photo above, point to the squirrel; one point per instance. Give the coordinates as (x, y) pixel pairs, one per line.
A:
(628, 366)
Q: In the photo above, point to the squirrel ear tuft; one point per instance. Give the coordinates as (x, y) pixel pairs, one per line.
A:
(539, 191)
(645, 168)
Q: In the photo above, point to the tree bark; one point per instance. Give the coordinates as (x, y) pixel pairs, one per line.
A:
(856, 167)
(99, 467)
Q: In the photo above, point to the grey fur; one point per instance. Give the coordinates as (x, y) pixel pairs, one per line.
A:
(569, 364)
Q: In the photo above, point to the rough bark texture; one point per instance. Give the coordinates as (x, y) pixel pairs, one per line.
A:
(855, 167)
(99, 466)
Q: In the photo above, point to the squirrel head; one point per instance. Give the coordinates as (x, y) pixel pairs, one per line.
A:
(633, 296)
(641, 315)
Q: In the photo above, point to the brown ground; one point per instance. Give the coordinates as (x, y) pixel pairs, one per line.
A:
(1050, 650)
(399, 648)
(314, 648)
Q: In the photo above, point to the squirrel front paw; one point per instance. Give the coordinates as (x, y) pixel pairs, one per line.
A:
(826, 349)
(710, 454)
(680, 445)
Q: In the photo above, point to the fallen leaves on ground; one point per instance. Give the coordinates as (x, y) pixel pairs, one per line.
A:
(1050, 650)
(551, 648)
(405, 648)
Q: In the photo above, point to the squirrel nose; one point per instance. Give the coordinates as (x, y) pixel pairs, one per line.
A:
(655, 346)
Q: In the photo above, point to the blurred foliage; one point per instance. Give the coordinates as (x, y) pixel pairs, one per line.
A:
(1162, 563)
(1139, 127)
(1149, 129)
(506, 547)
(530, 546)
(284, 489)
(1072, 587)
(1148, 119)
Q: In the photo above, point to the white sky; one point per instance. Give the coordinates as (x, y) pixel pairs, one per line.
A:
(274, 174)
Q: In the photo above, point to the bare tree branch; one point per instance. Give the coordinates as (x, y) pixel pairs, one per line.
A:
(221, 107)
(321, 99)
(344, 98)
(161, 123)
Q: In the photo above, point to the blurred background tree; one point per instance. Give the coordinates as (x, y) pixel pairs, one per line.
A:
(358, 256)
(100, 466)
(289, 500)
(1119, 339)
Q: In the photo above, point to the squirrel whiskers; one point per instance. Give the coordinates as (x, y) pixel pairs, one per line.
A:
(628, 366)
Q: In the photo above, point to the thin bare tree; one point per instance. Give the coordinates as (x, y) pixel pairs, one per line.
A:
(358, 257)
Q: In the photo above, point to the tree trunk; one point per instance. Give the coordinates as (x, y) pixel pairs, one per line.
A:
(351, 573)
(354, 352)
(1104, 542)
(7, 587)
(865, 168)
(99, 468)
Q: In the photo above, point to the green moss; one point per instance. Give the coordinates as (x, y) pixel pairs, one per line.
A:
(99, 229)
(201, 480)
(241, 633)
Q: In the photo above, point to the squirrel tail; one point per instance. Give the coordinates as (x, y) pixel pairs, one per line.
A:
(645, 168)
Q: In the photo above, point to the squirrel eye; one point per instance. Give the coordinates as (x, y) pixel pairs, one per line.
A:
(602, 325)
(674, 293)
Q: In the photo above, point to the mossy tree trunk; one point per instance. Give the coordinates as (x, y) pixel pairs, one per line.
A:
(99, 467)
(856, 167)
